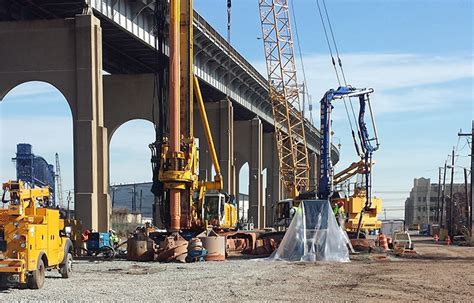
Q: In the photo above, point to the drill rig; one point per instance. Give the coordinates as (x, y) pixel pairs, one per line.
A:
(182, 201)
(361, 208)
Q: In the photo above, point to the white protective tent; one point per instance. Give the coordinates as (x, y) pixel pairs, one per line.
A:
(313, 235)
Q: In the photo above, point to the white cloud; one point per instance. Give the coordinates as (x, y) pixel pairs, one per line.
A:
(400, 81)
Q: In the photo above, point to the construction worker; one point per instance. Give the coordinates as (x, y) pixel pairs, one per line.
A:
(114, 239)
(338, 211)
(84, 239)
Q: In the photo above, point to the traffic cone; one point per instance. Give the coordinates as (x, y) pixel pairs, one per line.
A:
(436, 237)
(448, 240)
(383, 241)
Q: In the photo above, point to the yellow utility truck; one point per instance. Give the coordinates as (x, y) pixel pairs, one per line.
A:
(33, 238)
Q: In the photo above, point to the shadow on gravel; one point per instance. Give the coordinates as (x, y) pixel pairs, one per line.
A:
(437, 258)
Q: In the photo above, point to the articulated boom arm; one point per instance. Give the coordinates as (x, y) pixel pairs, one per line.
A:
(22, 198)
(354, 169)
(326, 182)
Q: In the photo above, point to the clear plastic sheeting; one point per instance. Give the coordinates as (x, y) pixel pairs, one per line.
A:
(313, 235)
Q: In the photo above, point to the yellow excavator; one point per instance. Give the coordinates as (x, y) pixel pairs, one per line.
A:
(183, 202)
(33, 238)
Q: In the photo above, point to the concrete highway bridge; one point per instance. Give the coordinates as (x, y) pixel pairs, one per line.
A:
(101, 55)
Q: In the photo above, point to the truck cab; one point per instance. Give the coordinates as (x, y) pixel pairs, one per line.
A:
(33, 238)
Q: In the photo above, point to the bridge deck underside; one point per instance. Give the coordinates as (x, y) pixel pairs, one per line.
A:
(127, 53)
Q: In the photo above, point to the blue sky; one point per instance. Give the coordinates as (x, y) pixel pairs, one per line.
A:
(417, 55)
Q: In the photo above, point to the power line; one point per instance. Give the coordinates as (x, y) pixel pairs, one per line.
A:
(337, 74)
(305, 86)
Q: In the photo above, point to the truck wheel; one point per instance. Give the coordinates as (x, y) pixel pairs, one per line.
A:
(66, 268)
(36, 279)
(3, 281)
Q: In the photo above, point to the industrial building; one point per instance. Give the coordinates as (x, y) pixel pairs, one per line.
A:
(422, 204)
(33, 169)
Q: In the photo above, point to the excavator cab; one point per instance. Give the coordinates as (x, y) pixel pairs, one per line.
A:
(218, 210)
(212, 209)
(284, 213)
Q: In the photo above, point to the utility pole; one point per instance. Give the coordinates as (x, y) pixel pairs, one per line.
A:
(134, 201)
(443, 194)
(113, 188)
(451, 200)
(468, 211)
(460, 134)
(141, 196)
(439, 195)
(68, 205)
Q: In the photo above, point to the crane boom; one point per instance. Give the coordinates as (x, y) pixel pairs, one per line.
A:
(59, 183)
(284, 95)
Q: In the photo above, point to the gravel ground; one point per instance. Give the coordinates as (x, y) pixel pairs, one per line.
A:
(447, 275)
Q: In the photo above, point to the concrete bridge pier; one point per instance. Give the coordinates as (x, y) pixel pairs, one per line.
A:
(248, 137)
(270, 163)
(221, 119)
(67, 53)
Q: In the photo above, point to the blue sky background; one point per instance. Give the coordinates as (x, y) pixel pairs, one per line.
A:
(417, 55)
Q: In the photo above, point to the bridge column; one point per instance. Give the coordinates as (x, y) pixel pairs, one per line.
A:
(221, 120)
(92, 203)
(271, 163)
(248, 139)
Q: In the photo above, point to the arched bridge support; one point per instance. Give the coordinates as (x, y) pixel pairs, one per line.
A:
(248, 139)
(270, 162)
(67, 53)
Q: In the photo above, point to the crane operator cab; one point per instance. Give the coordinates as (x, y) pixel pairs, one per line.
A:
(284, 213)
(219, 210)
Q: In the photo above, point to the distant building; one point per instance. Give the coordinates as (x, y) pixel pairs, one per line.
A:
(422, 204)
(32, 169)
(136, 198)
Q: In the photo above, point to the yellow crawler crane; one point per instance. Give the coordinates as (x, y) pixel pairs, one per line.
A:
(32, 237)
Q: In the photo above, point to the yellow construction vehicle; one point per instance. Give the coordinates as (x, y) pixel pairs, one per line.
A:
(182, 201)
(353, 207)
(33, 238)
(355, 203)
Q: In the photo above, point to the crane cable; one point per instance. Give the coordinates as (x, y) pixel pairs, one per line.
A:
(356, 145)
(305, 86)
(229, 24)
(337, 54)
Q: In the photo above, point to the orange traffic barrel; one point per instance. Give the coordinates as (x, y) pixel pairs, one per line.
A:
(448, 240)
